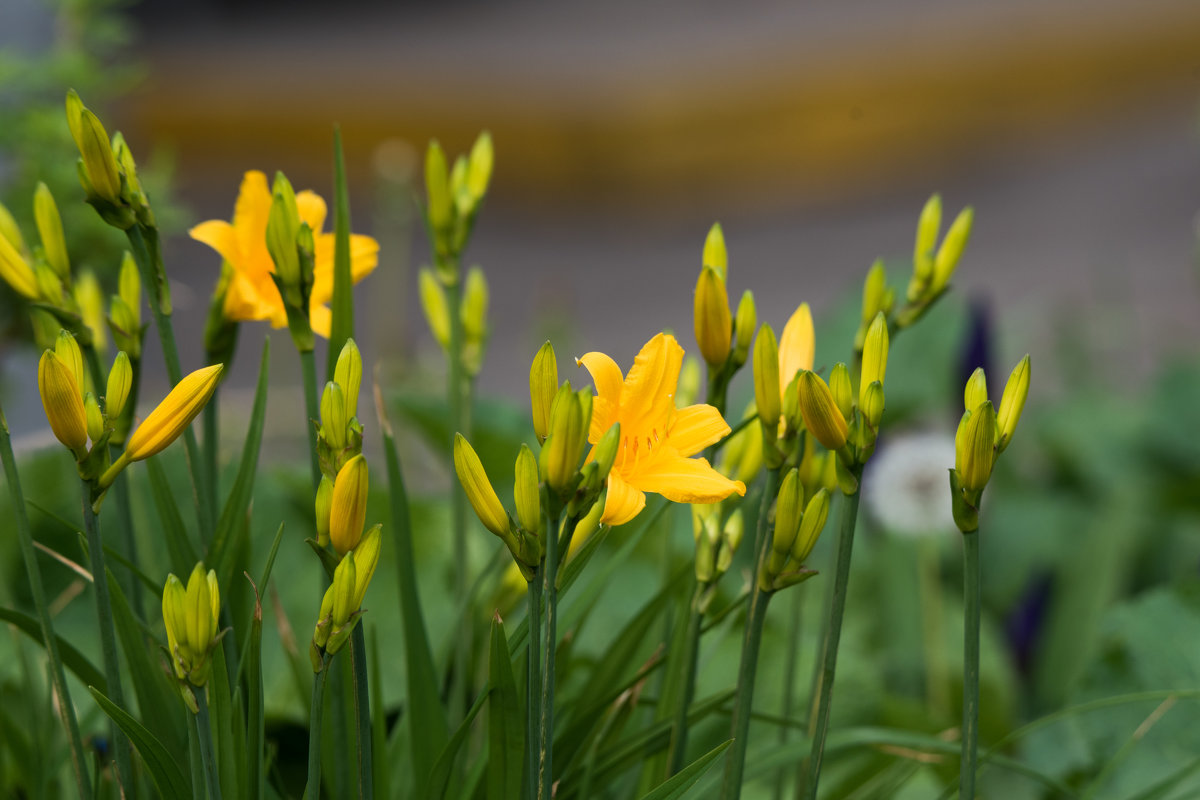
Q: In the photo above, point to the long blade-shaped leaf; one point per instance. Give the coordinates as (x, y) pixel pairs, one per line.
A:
(163, 768)
(342, 304)
(445, 761)
(72, 659)
(179, 545)
(506, 726)
(677, 786)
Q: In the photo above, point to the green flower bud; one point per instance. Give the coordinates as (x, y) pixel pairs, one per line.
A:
(543, 385)
(928, 225)
(475, 306)
(324, 509)
(50, 229)
(437, 188)
(715, 254)
(713, 325)
(94, 417)
(874, 356)
(120, 383)
(334, 417)
(744, 323)
(433, 303)
(841, 389)
(820, 412)
(975, 394)
(872, 403)
(949, 254)
(1012, 403)
(974, 448)
(767, 395)
(479, 168)
(526, 492)
(68, 350)
(283, 226)
(478, 489)
(347, 373)
(605, 452)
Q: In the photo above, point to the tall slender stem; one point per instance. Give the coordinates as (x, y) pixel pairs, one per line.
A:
(316, 710)
(456, 391)
(533, 689)
(679, 732)
(362, 713)
(735, 762)
(204, 736)
(149, 261)
(312, 412)
(108, 637)
(546, 726)
(790, 662)
(833, 634)
(25, 540)
(970, 724)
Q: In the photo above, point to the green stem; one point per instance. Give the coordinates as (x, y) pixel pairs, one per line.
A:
(546, 723)
(108, 637)
(312, 412)
(533, 689)
(736, 760)
(195, 762)
(313, 787)
(811, 768)
(970, 724)
(679, 732)
(790, 662)
(362, 713)
(149, 261)
(204, 736)
(25, 540)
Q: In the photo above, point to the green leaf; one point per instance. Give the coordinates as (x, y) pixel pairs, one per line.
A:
(161, 765)
(426, 718)
(506, 727)
(237, 505)
(182, 553)
(224, 734)
(342, 303)
(72, 659)
(445, 761)
(678, 785)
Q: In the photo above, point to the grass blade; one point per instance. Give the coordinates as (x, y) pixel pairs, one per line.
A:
(677, 786)
(163, 768)
(506, 722)
(342, 304)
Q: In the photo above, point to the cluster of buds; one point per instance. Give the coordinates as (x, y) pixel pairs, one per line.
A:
(716, 545)
(339, 433)
(292, 247)
(724, 340)
(983, 434)
(107, 170)
(453, 198)
(472, 311)
(341, 606)
(797, 526)
(190, 615)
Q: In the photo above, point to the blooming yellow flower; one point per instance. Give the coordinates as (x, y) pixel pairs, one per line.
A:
(252, 294)
(656, 438)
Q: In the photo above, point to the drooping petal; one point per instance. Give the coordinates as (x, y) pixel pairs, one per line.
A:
(364, 256)
(696, 427)
(797, 345)
(622, 503)
(606, 375)
(649, 390)
(220, 236)
(685, 480)
(311, 208)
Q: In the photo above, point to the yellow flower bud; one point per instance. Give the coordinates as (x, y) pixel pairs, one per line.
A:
(129, 287)
(745, 321)
(334, 418)
(815, 515)
(789, 509)
(821, 414)
(62, 401)
(348, 375)
(49, 225)
(714, 327)
(1012, 403)
(66, 348)
(475, 306)
(526, 493)
(715, 254)
(433, 303)
(605, 451)
(928, 225)
(343, 600)
(99, 162)
(15, 270)
(975, 394)
(949, 254)
(437, 188)
(874, 292)
(120, 383)
(324, 509)
(872, 403)
(126, 163)
(479, 168)
(191, 619)
(10, 231)
(348, 508)
(49, 285)
(283, 226)
(841, 389)
(543, 385)
(974, 448)
(173, 414)
(90, 299)
(94, 417)
(569, 422)
(478, 489)
(874, 356)
(767, 395)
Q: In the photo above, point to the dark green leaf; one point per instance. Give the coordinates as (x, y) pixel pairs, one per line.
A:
(163, 768)
(72, 659)
(678, 785)
(506, 727)
(342, 303)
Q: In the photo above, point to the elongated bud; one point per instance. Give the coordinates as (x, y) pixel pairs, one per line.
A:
(433, 303)
(126, 328)
(475, 306)
(605, 451)
(841, 389)
(479, 489)
(791, 406)
(348, 374)
(975, 394)
(190, 616)
(713, 325)
(16, 272)
(543, 385)
(928, 225)
(283, 225)
(745, 321)
(874, 356)
(974, 448)
(10, 231)
(874, 292)
(789, 509)
(99, 162)
(66, 348)
(50, 286)
(731, 539)
(950, 253)
(564, 445)
(49, 225)
(479, 168)
(348, 508)
(120, 382)
(94, 417)
(872, 403)
(463, 201)
(767, 394)
(707, 532)
(526, 494)
(437, 187)
(815, 515)
(127, 165)
(820, 412)
(129, 286)
(324, 508)
(334, 418)
(715, 254)
(1012, 403)
(90, 299)
(173, 414)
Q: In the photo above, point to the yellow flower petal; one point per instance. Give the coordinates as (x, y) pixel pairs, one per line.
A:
(622, 503)
(649, 390)
(696, 427)
(220, 236)
(607, 378)
(311, 208)
(797, 345)
(250, 221)
(686, 480)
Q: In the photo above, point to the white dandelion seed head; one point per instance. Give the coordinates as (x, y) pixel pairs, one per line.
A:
(907, 486)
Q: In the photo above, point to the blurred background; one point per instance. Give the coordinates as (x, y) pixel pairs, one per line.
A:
(814, 133)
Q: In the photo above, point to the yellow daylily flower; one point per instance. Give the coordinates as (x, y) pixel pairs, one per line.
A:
(656, 438)
(252, 294)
